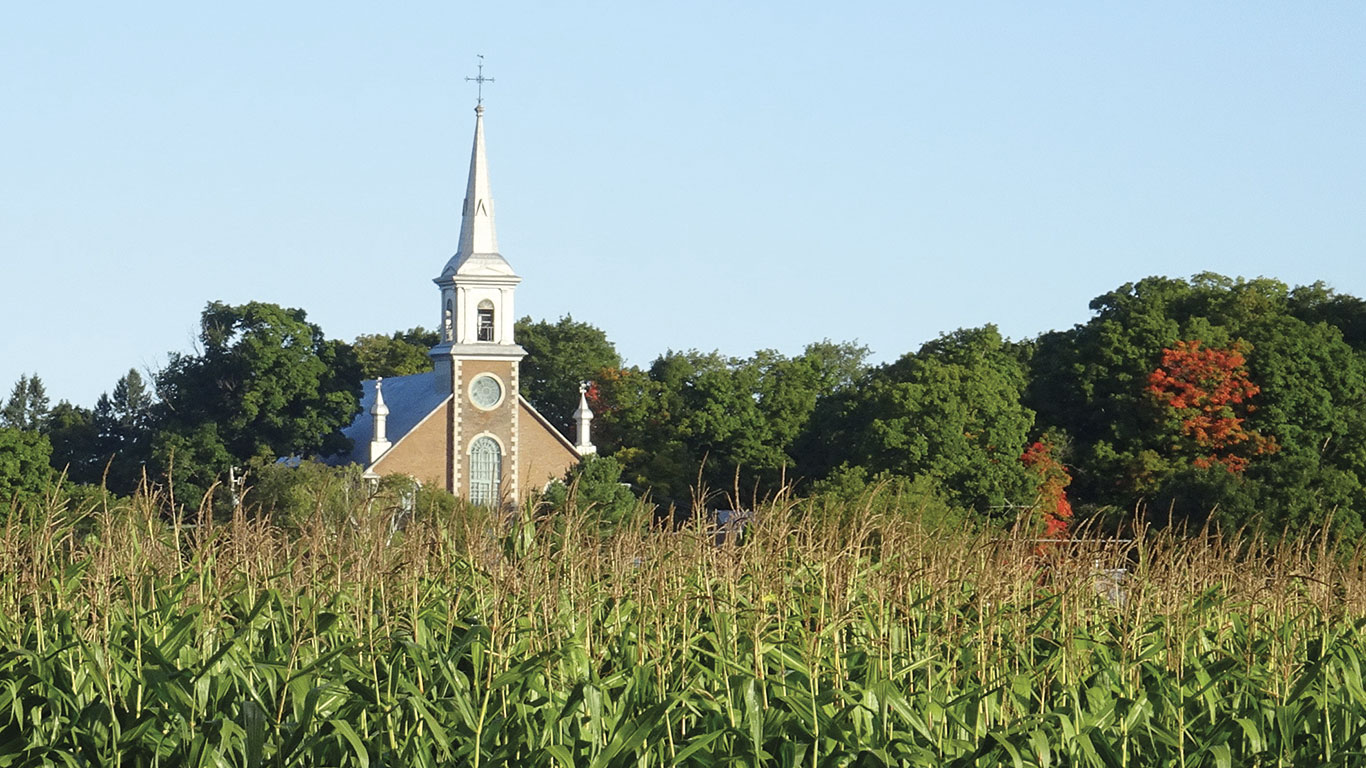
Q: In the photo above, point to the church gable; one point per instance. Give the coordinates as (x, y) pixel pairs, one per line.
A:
(422, 452)
(543, 453)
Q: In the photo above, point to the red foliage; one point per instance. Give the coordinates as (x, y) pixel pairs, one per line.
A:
(594, 395)
(597, 398)
(1209, 389)
(1053, 482)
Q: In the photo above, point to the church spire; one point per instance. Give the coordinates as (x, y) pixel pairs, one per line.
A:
(477, 284)
(478, 249)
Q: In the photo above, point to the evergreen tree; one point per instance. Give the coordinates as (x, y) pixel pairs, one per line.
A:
(123, 426)
(75, 451)
(27, 406)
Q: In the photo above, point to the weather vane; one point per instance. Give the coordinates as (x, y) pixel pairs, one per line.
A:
(480, 79)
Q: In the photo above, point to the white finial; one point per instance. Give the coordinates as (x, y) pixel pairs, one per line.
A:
(583, 418)
(380, 407)
(379, 441)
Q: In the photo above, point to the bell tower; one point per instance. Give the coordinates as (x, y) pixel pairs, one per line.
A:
(477, 357)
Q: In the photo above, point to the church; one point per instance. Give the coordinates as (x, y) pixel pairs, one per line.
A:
(463, 425)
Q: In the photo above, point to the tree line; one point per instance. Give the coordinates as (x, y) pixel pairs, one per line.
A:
(1241, 401)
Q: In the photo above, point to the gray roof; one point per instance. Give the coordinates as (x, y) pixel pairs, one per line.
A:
(409, 398)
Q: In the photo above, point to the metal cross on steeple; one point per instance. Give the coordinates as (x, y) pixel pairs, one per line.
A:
(480, 80)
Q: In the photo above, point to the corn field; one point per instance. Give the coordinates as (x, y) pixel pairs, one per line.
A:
(818, 638)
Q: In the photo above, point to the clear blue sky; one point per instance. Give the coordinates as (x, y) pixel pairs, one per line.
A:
(713, 175)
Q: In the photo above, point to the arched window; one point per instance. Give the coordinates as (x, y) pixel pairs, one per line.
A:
(485, 321)
(486, 470)
(447, 333)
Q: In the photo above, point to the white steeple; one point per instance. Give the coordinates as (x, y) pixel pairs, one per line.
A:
(583, 418)
(477, 253)
(477, 285)
(379, 412)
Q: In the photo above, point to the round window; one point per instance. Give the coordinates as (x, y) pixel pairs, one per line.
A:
(486, 391)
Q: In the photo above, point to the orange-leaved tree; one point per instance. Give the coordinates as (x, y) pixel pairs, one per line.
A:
(1053, 482)
(1208, 390)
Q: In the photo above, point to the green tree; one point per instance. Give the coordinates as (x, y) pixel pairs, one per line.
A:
(709, 425)
(25, 470)
(1089, 382)
(265, 384)
(401, 353)
(559, 356)
(850, 490)
(194, 458)
(594, 487)
(130, 408)
(71, 432)
(633, 424)
(951, 413)
(290, 494)
(787, 390)
(720, 419)
(732, 423)
(1313, 401)
(27, 406)
(109, 444)
(123, 426)
(1317, 303)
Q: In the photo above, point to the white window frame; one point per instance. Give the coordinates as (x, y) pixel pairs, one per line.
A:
(485, 491)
